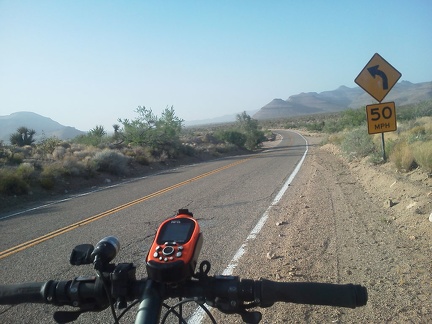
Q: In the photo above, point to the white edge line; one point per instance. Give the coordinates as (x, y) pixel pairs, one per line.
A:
(199, 313)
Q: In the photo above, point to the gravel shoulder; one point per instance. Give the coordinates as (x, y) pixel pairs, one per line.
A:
(346, 222)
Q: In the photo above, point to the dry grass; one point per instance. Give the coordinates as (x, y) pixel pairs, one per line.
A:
(423, 155)
(412, 146)
(402, 156)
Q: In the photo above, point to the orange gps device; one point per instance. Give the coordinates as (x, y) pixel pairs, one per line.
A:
(174, 253)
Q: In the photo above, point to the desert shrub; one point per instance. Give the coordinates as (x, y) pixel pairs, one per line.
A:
(142, 159)
(56, 169)
(111, 161)
(417, 133)
(358, 143)
(315, 126)
(85, 153)
(72, 167)
(402, 156)
(51, 173)
(390, 146)
(11, 183)
(76, 147)
(47, 145)
(59, 153)
(47, 182)
(141, 155)
(233, 137)
(423, 155)
(225, 148)
(25, 170)
(188, 150)
(96, 137)
(334, 139)
(414, 111)
(332, 126)
(15, 158)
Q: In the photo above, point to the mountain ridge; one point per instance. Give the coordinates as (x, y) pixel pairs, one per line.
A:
(305, 103)
(44, 126)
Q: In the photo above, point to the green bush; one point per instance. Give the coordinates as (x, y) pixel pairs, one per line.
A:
(72, 167)
(25, 170)
(188, 150)
(47, 182)
(50, 174)
(111, 161)
(15, 158)
(47, 145)
(315, 126)
(233, 137)
(358, 143)
(332, 126)
(12, 183)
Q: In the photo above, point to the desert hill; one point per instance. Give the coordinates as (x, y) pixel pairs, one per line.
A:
(42, 125)
(403, 93)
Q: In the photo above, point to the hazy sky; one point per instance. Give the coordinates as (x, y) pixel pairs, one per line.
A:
(88, 63)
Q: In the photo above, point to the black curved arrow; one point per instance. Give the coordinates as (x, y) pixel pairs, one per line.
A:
(374, 71)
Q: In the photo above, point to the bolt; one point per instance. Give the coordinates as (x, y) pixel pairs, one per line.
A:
(232, 289)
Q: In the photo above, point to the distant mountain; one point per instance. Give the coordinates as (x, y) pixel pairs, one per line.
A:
(403, 93)
(42, 125)
(217, 120)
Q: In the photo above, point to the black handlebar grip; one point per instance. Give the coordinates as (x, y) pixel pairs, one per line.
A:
(347, 295)
(32, 292)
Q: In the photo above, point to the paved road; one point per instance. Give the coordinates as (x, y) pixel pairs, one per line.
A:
(227, 196)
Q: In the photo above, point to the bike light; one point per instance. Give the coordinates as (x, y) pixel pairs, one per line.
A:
(105, 251)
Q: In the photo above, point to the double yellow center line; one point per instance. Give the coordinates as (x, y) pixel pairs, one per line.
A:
(91, 219)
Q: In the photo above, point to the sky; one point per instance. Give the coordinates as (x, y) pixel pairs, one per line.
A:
(89, 63)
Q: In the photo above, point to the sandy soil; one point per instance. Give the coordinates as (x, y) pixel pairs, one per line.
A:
(346, 222)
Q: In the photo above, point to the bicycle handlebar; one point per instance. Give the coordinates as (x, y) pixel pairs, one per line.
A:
(118, 283)
(214, 290)
(346, 295)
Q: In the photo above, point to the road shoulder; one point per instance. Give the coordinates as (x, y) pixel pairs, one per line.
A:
(331, 227)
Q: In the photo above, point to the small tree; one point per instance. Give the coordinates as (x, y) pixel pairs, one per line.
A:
(95, 137)
(116, 128)
(168, 129)
(22, 137)
(249, 127)
(98, 131)
(159, 134)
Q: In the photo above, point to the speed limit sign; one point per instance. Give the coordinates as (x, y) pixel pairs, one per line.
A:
(381, 117)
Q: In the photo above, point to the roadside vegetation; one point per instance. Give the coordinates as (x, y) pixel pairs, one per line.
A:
(408, 148)
(133, 146)
(150, 141)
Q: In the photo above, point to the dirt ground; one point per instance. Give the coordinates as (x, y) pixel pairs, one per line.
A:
(343, 222)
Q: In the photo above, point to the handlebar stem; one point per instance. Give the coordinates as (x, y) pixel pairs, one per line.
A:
(151, 303)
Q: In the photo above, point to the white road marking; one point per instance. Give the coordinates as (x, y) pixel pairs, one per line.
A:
(199, 314)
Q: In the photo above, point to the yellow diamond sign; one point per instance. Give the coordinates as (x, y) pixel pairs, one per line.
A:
(378, 77)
